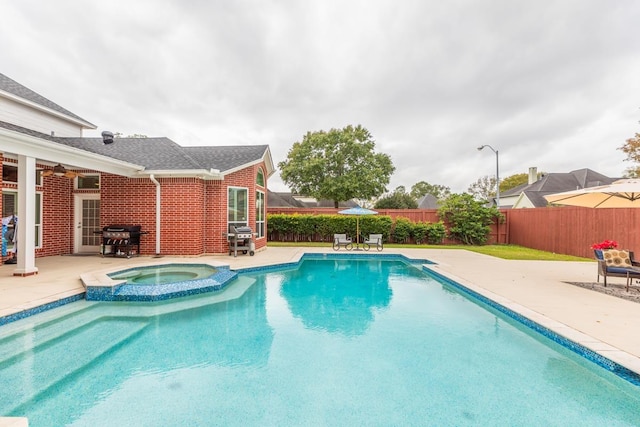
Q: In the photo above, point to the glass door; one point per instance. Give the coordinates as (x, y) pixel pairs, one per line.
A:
(87, 222)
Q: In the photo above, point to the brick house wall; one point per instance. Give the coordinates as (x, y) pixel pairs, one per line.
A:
(216, 207)
(193, 211)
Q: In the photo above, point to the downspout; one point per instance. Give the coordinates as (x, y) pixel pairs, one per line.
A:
(158, 216)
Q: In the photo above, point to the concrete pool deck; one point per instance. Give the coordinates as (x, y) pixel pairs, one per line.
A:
(534, 289)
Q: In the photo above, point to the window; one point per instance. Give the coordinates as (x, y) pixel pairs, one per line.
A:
(10, 207)
(260, 178)
(88, 182)
(10, 174)
(260, 207)
(237, 207)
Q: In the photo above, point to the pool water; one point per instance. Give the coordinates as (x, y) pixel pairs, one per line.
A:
(329, 343)
(163, 274)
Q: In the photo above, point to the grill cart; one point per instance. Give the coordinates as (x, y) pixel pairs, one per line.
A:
(121, 240)
(241, 239)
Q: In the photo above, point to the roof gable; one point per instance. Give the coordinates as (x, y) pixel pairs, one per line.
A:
(227, 158)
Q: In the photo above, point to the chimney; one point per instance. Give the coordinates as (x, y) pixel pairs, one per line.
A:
(533, 175)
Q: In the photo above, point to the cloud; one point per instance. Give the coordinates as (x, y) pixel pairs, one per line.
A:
(548, 84)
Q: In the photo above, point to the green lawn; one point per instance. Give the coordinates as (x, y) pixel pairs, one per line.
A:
(499, 251)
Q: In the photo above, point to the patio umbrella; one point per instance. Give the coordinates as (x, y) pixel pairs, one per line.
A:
(358, 211)
(624, 193)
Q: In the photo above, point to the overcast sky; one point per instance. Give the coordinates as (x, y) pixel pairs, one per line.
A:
(549, 83)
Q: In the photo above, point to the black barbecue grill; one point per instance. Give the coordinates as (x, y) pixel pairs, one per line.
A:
(121, 240)
(241, 239)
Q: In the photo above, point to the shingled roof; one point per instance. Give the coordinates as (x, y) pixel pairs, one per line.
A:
(160, 153)
(11, 86)
(556, 183)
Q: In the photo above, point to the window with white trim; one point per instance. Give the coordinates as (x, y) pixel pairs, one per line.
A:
(237, 207)
(10, 207)
(88, 182)
(260, 213)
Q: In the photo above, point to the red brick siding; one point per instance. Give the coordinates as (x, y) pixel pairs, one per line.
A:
(193, 211)
(216, 207)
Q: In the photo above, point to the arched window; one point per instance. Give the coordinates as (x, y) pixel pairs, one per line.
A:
(260, 178)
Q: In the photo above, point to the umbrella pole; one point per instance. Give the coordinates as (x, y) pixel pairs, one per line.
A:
(357, 233)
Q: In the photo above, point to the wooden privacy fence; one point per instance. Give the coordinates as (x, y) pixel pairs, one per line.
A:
(572, 230)
(563, 229)
(498, 233)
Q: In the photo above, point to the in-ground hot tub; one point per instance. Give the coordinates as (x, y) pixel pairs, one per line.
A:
(164, 274)
(157, 282)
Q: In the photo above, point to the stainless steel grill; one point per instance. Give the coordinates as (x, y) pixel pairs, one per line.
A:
(123, 240)
(241, 239)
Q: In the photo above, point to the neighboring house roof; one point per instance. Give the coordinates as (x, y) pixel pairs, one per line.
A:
(555, 183)
(428, 201)
(283, 200)
(290, 200)
(162, 154)
(10, 86)
(324, 203)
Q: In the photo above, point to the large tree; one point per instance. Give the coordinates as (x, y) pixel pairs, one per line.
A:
(632, 149)
(338, 165)
(422, 188)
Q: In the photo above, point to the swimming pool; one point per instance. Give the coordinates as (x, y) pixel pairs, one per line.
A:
(332, 342)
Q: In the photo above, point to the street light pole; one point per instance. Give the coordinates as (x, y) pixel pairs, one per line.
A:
(497, 173)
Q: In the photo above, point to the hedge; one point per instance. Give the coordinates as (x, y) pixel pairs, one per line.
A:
(313, 228)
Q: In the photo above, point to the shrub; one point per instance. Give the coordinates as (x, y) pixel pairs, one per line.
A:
(436, 233)
(420, 232)
(468, 218)
(401, 231)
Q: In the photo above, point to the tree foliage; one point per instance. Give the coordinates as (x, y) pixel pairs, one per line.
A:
(632, 149)
(512, 181)
(484, 188)
(399, 199)
(135, 135)
(338, 165)
(422, 188)
(468, 219)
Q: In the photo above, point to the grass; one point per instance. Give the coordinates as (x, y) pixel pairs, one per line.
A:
(499, 251)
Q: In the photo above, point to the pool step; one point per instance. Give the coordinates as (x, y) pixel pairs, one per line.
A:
(14, 344)
(34, 373)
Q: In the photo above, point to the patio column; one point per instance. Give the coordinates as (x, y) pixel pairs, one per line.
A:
(26, 265)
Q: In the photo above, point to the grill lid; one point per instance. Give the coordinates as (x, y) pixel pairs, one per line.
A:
(242, 229)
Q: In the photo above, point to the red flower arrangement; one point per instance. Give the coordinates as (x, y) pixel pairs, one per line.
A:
(606, 244)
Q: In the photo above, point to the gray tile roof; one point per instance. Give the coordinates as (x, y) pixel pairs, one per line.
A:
(159, 153)
(558, 182)
(226, 158)
(282, 200)
(428, 201)
(11, 86)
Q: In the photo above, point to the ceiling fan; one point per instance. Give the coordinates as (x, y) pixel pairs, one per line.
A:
(59, 170)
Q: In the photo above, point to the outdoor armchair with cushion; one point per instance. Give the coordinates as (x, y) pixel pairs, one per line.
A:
(617, 263)
(342, 240)
(374, 239)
